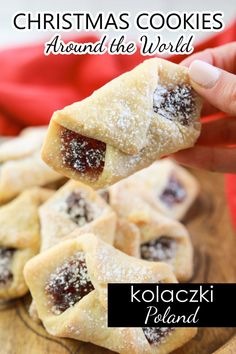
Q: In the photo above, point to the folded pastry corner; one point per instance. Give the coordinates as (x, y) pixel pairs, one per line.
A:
(70, 293)
(161, 238)
(26, 143)
(174, 190)
(167, 187)
(127, 238)
(75, 209)
(19, 240)
(21, 166)
(164, 240)
(124, 126)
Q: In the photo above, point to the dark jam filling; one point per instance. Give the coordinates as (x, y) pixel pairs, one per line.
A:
(174, 193)
(175, 102)
(6, 255)
(68, 284)
(82, 154)
(105, 195)
(79, 210)
(162, 249)
(156, 335)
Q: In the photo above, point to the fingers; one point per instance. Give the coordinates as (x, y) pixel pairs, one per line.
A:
(218, 132)
(205, 55)
(209, 158)
(212, 76)
(218, 87)
(223, 57)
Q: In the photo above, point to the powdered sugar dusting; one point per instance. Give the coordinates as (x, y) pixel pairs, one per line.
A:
(78, 207)
(83, 154)
(6, 255)
(68, 284)
(162, 249)
(174, 192)
(72, 329)
(126, 133)
(156, 335)
(125, 120)
(121, 270)
(175, 102)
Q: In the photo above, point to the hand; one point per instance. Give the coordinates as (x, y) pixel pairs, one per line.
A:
(212, 74)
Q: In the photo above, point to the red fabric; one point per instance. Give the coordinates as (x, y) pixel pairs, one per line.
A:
(32, 85)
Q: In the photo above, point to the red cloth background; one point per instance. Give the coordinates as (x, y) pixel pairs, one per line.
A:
(32, 85)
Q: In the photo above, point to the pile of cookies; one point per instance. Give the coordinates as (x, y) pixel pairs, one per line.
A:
(63, 242)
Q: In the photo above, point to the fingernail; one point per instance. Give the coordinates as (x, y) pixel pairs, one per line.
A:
(204, 74)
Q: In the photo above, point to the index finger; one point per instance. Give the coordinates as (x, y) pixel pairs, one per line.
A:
(223, 57)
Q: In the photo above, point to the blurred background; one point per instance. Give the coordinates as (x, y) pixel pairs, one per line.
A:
(33, 86)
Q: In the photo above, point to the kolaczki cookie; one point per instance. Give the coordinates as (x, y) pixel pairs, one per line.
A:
(161, 238)
(70, 292)
(126, 125)
(123, 127)
(75, 207)
(21, 166)
(19, 239)
(167, 187)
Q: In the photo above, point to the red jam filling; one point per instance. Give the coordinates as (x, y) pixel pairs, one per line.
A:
(6, 255)
(79, 210)
(68, 284)
(156, 335)
(176, 103)
(174, 192)
(161, 249)
(82, 154)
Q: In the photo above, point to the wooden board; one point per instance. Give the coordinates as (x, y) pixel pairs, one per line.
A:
(215, 261)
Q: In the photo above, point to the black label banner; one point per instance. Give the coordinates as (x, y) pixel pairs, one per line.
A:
(171, 305)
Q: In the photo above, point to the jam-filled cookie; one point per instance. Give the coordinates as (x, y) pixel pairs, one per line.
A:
(73, 210)
(161, 238)
(124, 126)
(21, 166)
(70, 292)
(164, 240)
(19, 240)
(75, 207)
(166, 186)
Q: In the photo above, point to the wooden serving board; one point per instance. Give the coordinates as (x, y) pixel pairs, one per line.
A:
(215, 261)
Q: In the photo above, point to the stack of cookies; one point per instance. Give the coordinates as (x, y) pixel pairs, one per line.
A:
(65, 241)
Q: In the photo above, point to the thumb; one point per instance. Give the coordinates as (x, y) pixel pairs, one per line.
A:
(216, 86)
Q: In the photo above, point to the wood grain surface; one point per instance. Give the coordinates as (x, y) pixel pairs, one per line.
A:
(215, 261)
